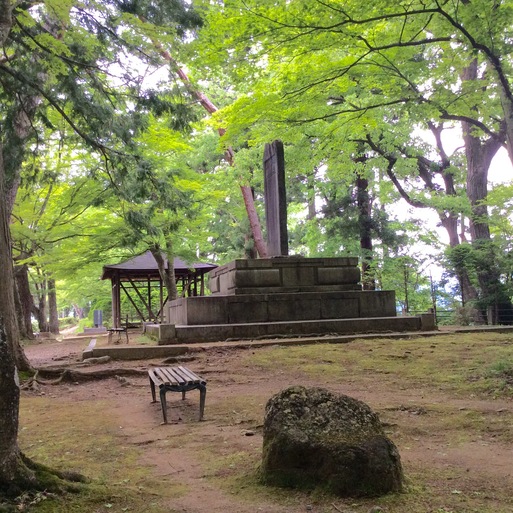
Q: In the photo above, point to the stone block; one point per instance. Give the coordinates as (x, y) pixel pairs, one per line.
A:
(334, 308)
(284, 274)
(258, 278)
(377, 303)
(167, 333)
(213, 284)
(298, 276)
(95, 331)
(293, 309)
(338, 275)
(428, 322)
(247, 310)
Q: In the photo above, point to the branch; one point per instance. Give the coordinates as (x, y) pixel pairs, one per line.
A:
(353, 110)
(475, 122)
(391, 163)
(492, 58)
(400, 44)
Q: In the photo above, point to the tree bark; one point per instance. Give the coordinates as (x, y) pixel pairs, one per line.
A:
(11, 354)
(53, 323)
(10, 465)
(167, 274)
(365, 226)
(7, 304)
(40, 309)
(26, 301)
(479, 157)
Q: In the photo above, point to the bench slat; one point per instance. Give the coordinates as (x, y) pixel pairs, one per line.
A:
(194, 378)
(175, 376)
(165, 376)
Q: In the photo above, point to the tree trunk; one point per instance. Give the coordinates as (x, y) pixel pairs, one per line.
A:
(10, 457)
(40, 309)
(493, 296)
(52, 308)
(26, 301)
(7, 305)
(254, 222)
(479, 157)
(167, 275)
(365, 226)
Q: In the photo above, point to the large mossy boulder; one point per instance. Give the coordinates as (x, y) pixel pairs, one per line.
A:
(316, 439)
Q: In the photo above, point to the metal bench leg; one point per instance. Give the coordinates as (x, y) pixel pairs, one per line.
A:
(163, 403)
(203, 395)
(152, 386)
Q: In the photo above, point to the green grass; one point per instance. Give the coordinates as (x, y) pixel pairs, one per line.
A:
(457, 363)
(83, 437)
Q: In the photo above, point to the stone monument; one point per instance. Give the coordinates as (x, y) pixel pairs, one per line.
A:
(275, 200)
(283, 295)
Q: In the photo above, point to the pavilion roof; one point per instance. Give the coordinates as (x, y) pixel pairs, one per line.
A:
(145, 265)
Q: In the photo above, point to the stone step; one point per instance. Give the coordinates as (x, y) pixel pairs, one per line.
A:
(181, 334)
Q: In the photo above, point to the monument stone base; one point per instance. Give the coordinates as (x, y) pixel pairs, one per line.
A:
(282, 296)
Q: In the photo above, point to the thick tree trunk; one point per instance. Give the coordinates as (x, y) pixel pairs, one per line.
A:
(365, 225)
(493, 295)
(26, 301)
(10, 350)
(7, 304)
(9, 402)
(53, 313)
(479, 157)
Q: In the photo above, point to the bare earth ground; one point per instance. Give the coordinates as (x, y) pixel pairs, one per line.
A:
(480, 466)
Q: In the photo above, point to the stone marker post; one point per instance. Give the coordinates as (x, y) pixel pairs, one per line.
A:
(275, 200)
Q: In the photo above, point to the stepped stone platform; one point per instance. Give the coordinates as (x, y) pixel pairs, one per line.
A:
(285, 274)
(284, 296)
(181, 334)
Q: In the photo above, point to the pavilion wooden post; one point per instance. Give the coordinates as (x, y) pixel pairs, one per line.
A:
(149, 301)
(161, 290)
(116, 301)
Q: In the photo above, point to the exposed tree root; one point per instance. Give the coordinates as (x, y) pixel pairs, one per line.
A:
(31, 477)
(73, 376)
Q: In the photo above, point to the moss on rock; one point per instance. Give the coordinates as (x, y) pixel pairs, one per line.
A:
(316, 439)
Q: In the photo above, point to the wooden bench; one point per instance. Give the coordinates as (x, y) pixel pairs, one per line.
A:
(176, 379)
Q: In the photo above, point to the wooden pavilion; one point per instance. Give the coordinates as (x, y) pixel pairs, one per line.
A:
(140, 280)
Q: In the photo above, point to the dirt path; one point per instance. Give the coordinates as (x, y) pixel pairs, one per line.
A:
(478, 465)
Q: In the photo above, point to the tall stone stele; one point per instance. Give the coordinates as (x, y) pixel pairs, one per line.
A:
(275, 200)
(316, 439)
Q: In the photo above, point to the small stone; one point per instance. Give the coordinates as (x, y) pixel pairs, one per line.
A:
(248, 432)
